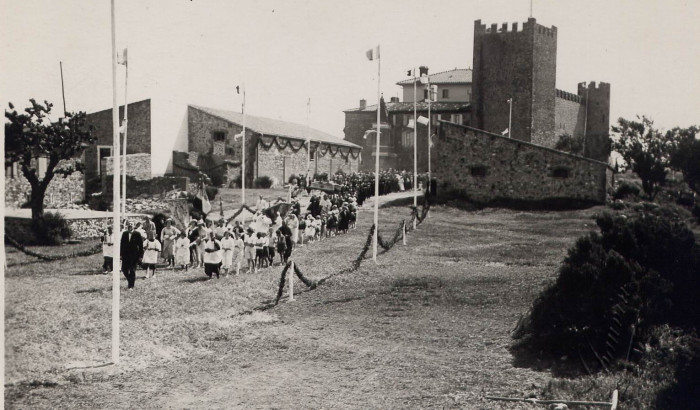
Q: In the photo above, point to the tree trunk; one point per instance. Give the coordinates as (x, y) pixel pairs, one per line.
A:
(37, 201)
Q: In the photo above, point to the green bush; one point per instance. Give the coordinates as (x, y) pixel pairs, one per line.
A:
(263, 182)
(653, 260)
(51, 229)
(626, 190)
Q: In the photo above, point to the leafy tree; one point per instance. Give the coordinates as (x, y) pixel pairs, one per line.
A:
(685, 156)
(645, 149)
(570, 144)
(31, 135)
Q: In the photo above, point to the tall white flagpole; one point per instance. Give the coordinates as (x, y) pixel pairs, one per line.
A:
(430, 98)
(243, 154)
(126, 126)
(415, 144)
(308, 142)
(510, 117)
(116, 228)
(376, 166)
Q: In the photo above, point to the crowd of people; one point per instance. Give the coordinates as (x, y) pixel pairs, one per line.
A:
(224, 248)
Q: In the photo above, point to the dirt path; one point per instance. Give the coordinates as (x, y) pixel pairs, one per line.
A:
(426, 328)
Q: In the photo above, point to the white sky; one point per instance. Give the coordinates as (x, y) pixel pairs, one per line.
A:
(288, 51)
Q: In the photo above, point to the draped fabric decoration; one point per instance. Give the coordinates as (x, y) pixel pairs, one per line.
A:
(268, 141)
(281, 143)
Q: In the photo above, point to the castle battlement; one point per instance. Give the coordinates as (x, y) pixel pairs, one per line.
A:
(529, 26)
(592, 86)
(569, 96)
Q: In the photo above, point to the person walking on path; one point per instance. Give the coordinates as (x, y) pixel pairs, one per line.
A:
(182, 251)
(212, 256)
(131, 250)
(107, 250)
(228, 244)
(168, 236)
(151, 249)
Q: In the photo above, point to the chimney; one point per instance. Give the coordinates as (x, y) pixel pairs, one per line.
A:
(394, 99)
(423, 70)
(363, 104)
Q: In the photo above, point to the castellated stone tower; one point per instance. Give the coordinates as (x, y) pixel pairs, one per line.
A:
(596, 101)
(518, 64)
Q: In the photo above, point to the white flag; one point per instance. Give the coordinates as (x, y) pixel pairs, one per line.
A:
(410, 124)
(373, 53)
(422, 120)
(431, 140)
(505, 131)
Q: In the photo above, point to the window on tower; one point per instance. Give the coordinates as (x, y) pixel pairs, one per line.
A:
(445, 93)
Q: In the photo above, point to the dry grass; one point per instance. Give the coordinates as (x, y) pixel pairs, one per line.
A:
(428, 326)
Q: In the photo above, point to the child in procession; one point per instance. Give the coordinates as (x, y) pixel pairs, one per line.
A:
(151, 249)
(182, 251)
(228, 245)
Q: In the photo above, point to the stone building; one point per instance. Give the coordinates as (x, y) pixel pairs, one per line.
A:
(521, 63)
(451, 103)
(489, 168)
(273, 148)
(518, 64)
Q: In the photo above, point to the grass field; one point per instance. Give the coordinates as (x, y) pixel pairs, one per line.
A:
(428, 326)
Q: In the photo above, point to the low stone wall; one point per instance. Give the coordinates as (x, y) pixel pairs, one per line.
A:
(60, 191)
(152, 186)
(488, 168)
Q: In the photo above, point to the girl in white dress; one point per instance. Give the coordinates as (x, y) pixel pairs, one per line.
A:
(182, 251)
(151, 249)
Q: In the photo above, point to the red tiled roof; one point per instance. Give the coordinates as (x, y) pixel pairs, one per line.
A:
(456, 76)
(269, 126)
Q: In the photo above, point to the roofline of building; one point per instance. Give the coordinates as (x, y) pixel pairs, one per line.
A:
(517, 141)
(120, 105)
(355, 146)
(357, 110)
(411, 80)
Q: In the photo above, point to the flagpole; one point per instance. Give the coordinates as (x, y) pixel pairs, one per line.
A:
(415, 144)
(126, 126)
(243, 154)
(308, 142)
(430, 138)
(376, 166)
(510, 118)
(63, 90)
(116, 228)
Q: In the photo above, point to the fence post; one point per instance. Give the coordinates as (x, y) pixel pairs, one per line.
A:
(403, 229)
(291, 282)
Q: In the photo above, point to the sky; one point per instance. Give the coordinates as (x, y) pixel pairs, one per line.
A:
(287, 52)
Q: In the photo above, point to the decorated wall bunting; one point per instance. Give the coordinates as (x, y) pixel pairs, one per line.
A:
(281, 143)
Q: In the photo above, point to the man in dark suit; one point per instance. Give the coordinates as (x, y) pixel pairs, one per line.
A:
(131, 250)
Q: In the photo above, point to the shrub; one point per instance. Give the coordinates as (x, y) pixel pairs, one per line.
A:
(651, 260)
(263, 182)
(625, 190)
(51, 229)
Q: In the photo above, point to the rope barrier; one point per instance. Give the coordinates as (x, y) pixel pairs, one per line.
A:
(358, 261)
(49, 258)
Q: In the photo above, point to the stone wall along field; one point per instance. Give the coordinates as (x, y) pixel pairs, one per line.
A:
(487, 168)
(61, 191)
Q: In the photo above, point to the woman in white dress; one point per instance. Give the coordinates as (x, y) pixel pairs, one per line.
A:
(293, 224)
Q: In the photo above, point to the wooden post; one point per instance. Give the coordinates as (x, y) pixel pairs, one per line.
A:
(291, 282)
(403, 234)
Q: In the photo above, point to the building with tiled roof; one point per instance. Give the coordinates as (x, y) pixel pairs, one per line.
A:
(273, 148)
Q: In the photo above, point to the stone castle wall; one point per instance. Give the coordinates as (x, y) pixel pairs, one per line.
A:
(488, 168)
(60, 190)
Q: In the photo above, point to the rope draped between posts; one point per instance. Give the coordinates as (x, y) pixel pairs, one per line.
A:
(283, 280)
(49, 258)
(398, 234)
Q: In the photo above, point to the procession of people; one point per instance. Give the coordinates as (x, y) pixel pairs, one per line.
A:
(229, 248)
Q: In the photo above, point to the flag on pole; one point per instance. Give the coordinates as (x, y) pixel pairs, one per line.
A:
(409, 73)
(202, 195)
(505, 131)
(373, 54)
(239, 88)
(422, 120)
(122, 59)
(410, 124)
(431, 140)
